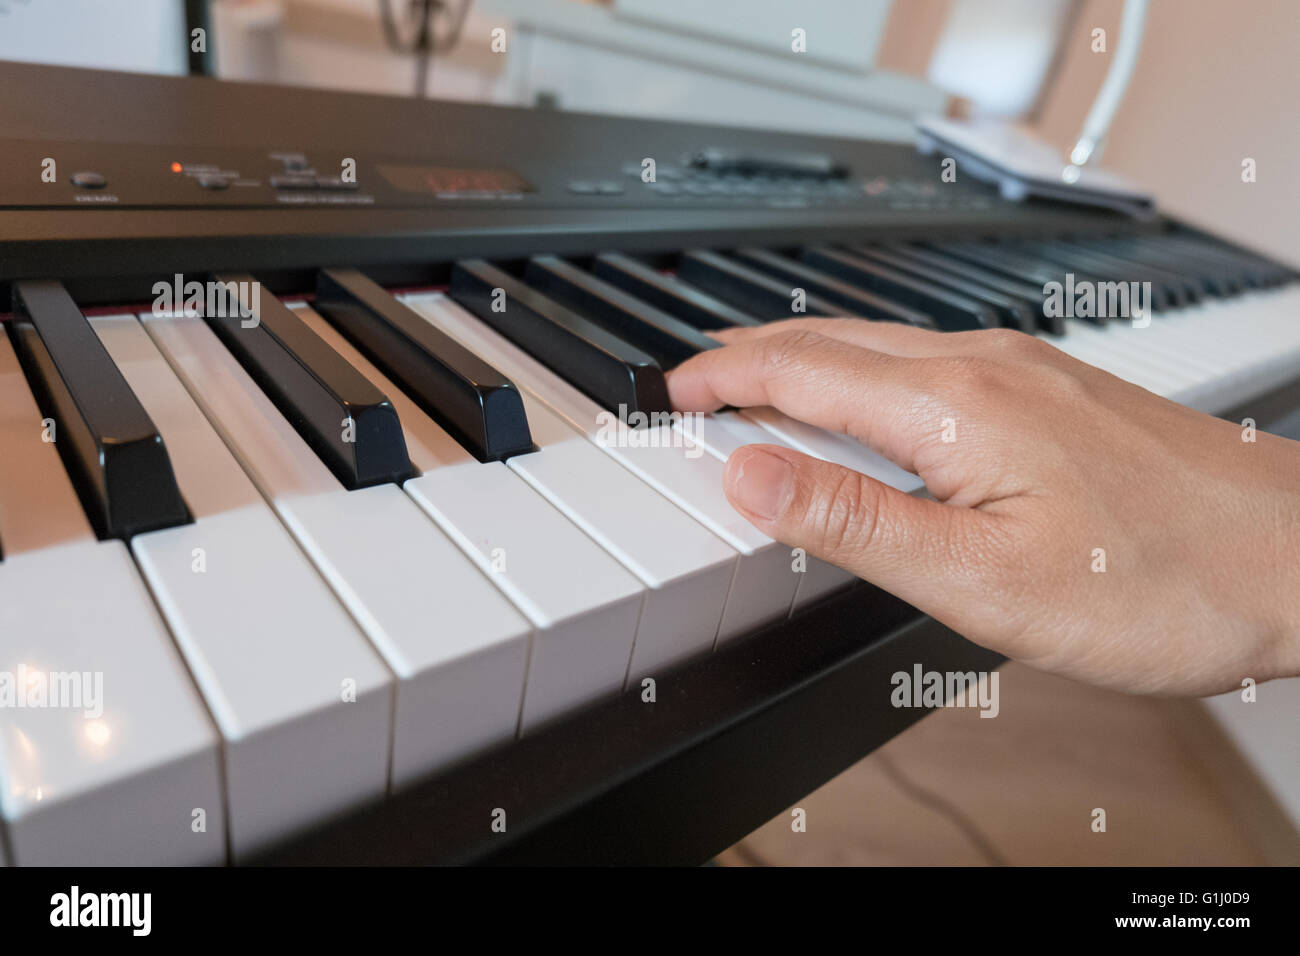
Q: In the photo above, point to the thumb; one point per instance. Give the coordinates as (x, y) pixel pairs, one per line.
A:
(911, 547)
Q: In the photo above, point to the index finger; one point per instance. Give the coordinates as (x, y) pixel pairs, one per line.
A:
(890, 403)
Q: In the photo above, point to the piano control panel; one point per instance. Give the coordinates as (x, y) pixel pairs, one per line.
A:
(45, 174)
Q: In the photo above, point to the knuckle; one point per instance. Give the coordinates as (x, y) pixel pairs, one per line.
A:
(847, 511)
(1032, 348)
(1012, 345)
(1007, 340)
(989, 554)
(833, 325)
(781, 353)
(812, 323)
(1062, 383)
(972, 374)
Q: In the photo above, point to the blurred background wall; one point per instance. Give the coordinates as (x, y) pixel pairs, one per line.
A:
(1217, 82)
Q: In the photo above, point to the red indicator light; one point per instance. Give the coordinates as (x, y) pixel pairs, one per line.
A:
(177, 167)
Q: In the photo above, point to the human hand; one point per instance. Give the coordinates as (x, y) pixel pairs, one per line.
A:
(1049, 460)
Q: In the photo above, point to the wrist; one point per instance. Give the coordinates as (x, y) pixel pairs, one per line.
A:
(1285, 644)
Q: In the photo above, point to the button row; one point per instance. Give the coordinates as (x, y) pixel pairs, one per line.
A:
(300, 181)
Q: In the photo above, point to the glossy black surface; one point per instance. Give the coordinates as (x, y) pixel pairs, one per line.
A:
(949, 310)
(746, 288)
(1010, 262)
(1031, 296)
(614, 373)
(665, 338)
(467, 396)
(1011, 313)
(669, 293)
(110, 447)
(1166, 292)
(845, 295)
(348, 422)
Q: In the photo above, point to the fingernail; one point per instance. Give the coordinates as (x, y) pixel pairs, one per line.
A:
(761, 483)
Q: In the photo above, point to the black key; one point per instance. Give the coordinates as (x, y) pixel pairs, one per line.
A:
(1011, 313)
(1001, 258)
(1208, 281)
(1047, 266)
(1030, 295)
(1206, 258)
(1275, 273)
(1110, 300)
(860, 302)
(467, 396)
(1023, 268)
(1164, 294)
(1217, 277)
(1106, 270)
(348, 422)
(113, 453)
(1113, 293)
(1220, 276)
(668, 340)
(950, 311)
(1253, 270)
(767, 298)
(1180, 290)
(619, 376)
(669, 293)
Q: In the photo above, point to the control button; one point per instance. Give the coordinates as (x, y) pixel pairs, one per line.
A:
(89, 180)
(582, 187)
(213, 182)
(295, 163)
(610, 189)
(335, 182)
(293, 182)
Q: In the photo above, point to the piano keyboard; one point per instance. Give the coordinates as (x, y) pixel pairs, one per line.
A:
(256, 573)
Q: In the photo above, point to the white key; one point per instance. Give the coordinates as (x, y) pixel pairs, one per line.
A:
(1096, 347)
(1167, 341)
(456, 645)
(1256, 337)
(1208, 356)
(687, 569)
(1150, 350)
(721, 433)
(763, 587)
(840, 449)
(820, 579)
(121, 778)
(302, 701)
(583, 604)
